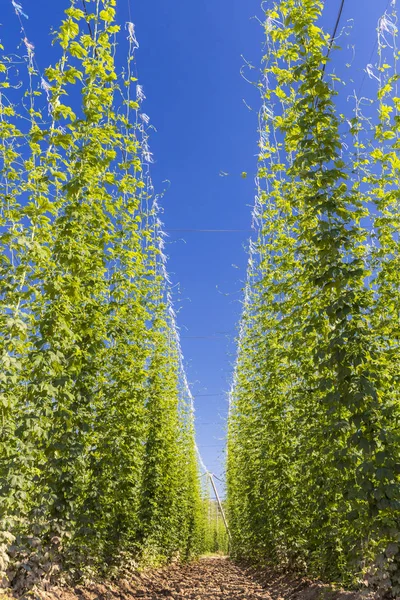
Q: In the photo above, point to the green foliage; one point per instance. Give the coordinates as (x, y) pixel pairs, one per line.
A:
(98, 468)
(216, 537)
(313, 448)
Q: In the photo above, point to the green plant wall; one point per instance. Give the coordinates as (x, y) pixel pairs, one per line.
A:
(313, 444)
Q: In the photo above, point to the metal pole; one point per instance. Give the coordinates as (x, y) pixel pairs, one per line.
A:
(220, 505)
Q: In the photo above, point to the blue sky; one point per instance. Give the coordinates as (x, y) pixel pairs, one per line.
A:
(189, 64)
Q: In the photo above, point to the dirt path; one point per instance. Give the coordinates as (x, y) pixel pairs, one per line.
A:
(212, 578)
(208, 579)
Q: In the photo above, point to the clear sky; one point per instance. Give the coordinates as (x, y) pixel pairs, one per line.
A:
(189, 63)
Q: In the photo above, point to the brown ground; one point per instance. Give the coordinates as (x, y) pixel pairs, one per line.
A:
(213, 578)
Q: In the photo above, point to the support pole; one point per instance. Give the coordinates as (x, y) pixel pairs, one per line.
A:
(220, 505)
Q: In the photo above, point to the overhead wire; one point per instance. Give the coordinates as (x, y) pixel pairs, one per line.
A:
(87, 18)
(210, 230)
(208, 395)
(222, 445)
(203, 337)
(334, 34)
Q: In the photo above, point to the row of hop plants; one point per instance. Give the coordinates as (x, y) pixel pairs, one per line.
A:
(98, 465)
(216, 536)
(314, 427)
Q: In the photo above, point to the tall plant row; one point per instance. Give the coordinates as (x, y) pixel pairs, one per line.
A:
(98, 466)
(314, 427)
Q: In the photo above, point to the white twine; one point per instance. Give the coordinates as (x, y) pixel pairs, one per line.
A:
(148, 157)
(18, 9)
(370, 72)
(140, 95)
(271, 24)
(29, 46)
(31, 51)
(46, 87)
(386, 26)
(132, 35)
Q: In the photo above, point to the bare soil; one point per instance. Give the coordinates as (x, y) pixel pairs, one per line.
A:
(211, 578)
